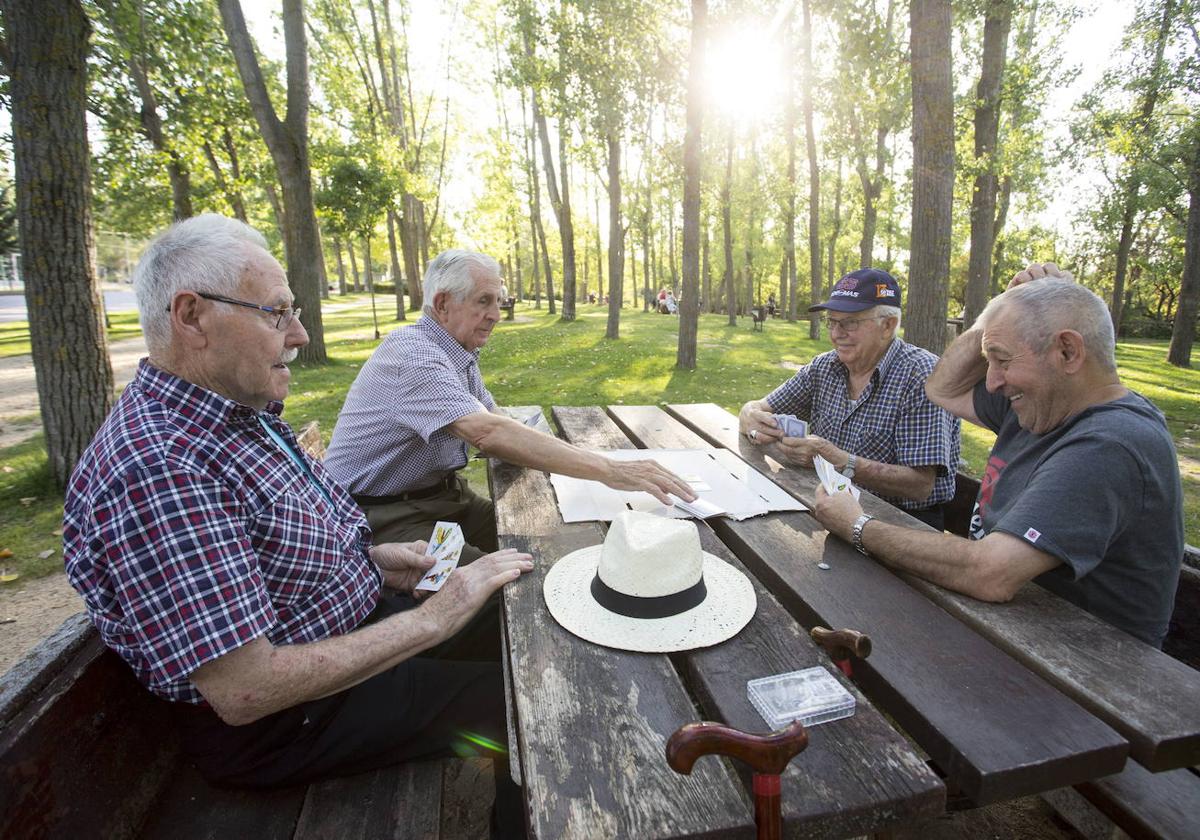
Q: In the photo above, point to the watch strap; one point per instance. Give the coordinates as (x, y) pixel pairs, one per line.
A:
(857, 530)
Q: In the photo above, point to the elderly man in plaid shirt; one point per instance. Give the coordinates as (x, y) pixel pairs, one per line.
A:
(419, 404)
(236, 578)
(865, 403)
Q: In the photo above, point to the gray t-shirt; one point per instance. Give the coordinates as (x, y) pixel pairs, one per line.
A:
(1102, 494)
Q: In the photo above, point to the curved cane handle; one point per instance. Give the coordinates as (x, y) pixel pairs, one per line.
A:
(842, 644)
(764, 753)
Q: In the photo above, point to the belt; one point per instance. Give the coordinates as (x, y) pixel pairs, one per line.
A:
(450, 482)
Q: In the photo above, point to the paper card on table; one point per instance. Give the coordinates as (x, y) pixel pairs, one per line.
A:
(445, 546)
(832, 480)
(697, 483)
(532, 420)
(791, 425)
(699, 508)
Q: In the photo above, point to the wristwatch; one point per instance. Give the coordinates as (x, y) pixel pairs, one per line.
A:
(851, 466)
(856, 533)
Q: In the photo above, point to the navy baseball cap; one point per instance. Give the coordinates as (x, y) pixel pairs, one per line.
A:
(860, 290)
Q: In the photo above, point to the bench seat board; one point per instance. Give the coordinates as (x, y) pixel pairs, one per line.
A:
(1117, 678)
(563, 687)
(996, 729)
(834, 788)
(87, 754)
(192, 809)
(1150, 805)
(402, 802)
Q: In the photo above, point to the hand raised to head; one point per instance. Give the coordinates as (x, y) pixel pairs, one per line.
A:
(1038, 271)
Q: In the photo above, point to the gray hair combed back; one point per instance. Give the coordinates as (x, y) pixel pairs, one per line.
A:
(206, 253)
(450, 271)
(888, 312)
(1053, 304)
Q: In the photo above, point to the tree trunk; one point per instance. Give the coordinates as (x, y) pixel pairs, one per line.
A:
(616, 238)
(1184, 331)
(837, 226)
(232, 195)
(1133, 181)
(287, 141)
(354, 267)
(46, 57)
(814, 182)
(689, 298)
(998, 19)
(341, 264)
(787, 278)
(599, 255)
(561, 202)
(933, 173)
(397, 276)
(727, 223)
(706, 269)
(151, 122)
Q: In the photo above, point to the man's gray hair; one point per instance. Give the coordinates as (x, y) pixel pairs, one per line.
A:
(1053, 304)
(450, 271)
(888, 312)
(206, 253)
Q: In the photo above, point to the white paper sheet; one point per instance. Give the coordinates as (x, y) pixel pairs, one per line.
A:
(733, 485)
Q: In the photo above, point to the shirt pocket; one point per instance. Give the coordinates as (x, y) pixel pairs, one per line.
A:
(878, 446)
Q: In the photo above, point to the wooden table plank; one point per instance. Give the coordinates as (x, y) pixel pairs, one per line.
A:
(593, 722)
(996, 729)
(835, 787)
(1141, 692)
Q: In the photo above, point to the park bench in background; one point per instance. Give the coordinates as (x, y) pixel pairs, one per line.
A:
(758, 315)
(509, 306)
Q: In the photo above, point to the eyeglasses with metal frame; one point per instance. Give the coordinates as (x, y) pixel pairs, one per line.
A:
(848, 325)
(283, 314)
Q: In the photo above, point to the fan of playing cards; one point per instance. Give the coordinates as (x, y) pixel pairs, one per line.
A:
(445, 546)
(791, 425)
(832, 480)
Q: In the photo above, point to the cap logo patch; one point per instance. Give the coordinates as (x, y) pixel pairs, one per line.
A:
(843, 293)
(883, 291)
(846, 282)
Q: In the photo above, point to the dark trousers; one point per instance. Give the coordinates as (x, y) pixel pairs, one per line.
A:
(934, 517)
(414, 520)
(431, 706)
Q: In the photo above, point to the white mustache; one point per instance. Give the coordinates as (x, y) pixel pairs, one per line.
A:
(289, 355)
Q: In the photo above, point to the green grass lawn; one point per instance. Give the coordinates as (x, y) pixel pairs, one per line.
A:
(538, 360)
(14, 335)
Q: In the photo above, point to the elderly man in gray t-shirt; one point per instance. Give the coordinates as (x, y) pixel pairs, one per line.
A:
(419, 403)
(1082, 490)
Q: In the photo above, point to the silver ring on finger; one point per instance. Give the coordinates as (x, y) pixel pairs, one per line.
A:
(754, 434)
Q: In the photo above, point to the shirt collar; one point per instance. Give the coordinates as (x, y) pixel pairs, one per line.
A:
(206, 408)
(459, 355)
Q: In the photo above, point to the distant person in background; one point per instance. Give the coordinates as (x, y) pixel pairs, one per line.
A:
(1082, 491)
(672, 307)
(771, 305)
(865, 403)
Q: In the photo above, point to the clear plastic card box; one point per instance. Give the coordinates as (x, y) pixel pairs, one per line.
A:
(811, 696)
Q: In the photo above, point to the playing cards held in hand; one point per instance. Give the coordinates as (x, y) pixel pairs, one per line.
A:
(445, 546)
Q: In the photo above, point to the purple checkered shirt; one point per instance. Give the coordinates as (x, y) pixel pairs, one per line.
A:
(189, 533)
(892, 421)
(391, 434)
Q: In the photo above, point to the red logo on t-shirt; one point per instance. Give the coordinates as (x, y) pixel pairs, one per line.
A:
(987, 486)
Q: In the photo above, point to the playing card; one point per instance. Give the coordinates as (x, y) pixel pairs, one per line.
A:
(698, 508)
(832, 480)
(698, 484)
(791, 426)
(445, 546)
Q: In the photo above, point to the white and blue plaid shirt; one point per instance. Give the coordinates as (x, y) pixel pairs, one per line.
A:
(392, 435)
(892, 421)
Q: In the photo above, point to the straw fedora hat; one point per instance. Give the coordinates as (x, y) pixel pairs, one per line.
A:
(649, 588)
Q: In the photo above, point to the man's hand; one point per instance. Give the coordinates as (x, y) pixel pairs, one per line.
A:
(800, 451)
(650, 476)
(468, 587)
(1038, 271)
(402, 564)
(837, 512)
(757, 422)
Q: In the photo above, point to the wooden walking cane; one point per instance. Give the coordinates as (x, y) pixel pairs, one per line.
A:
(842, 646)
(767, 756)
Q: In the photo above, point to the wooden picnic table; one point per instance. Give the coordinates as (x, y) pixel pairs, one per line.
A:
(590, 723)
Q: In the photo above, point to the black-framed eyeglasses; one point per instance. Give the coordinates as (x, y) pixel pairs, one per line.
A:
(847, 324)
(283, 314)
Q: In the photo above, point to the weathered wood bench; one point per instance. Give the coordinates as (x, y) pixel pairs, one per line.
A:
(509, 306)
(85, 751)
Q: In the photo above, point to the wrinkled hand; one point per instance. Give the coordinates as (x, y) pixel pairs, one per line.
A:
(836, 512)
(650, 476)
(801, 450)
(1038, 271)
(468, 587)
(758, 425)
(402, 564)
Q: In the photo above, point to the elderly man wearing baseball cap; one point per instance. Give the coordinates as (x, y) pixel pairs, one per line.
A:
(865, 404)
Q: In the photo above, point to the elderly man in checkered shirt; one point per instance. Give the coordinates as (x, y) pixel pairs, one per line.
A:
(419, 404)
(236, 578)
(865, 403)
